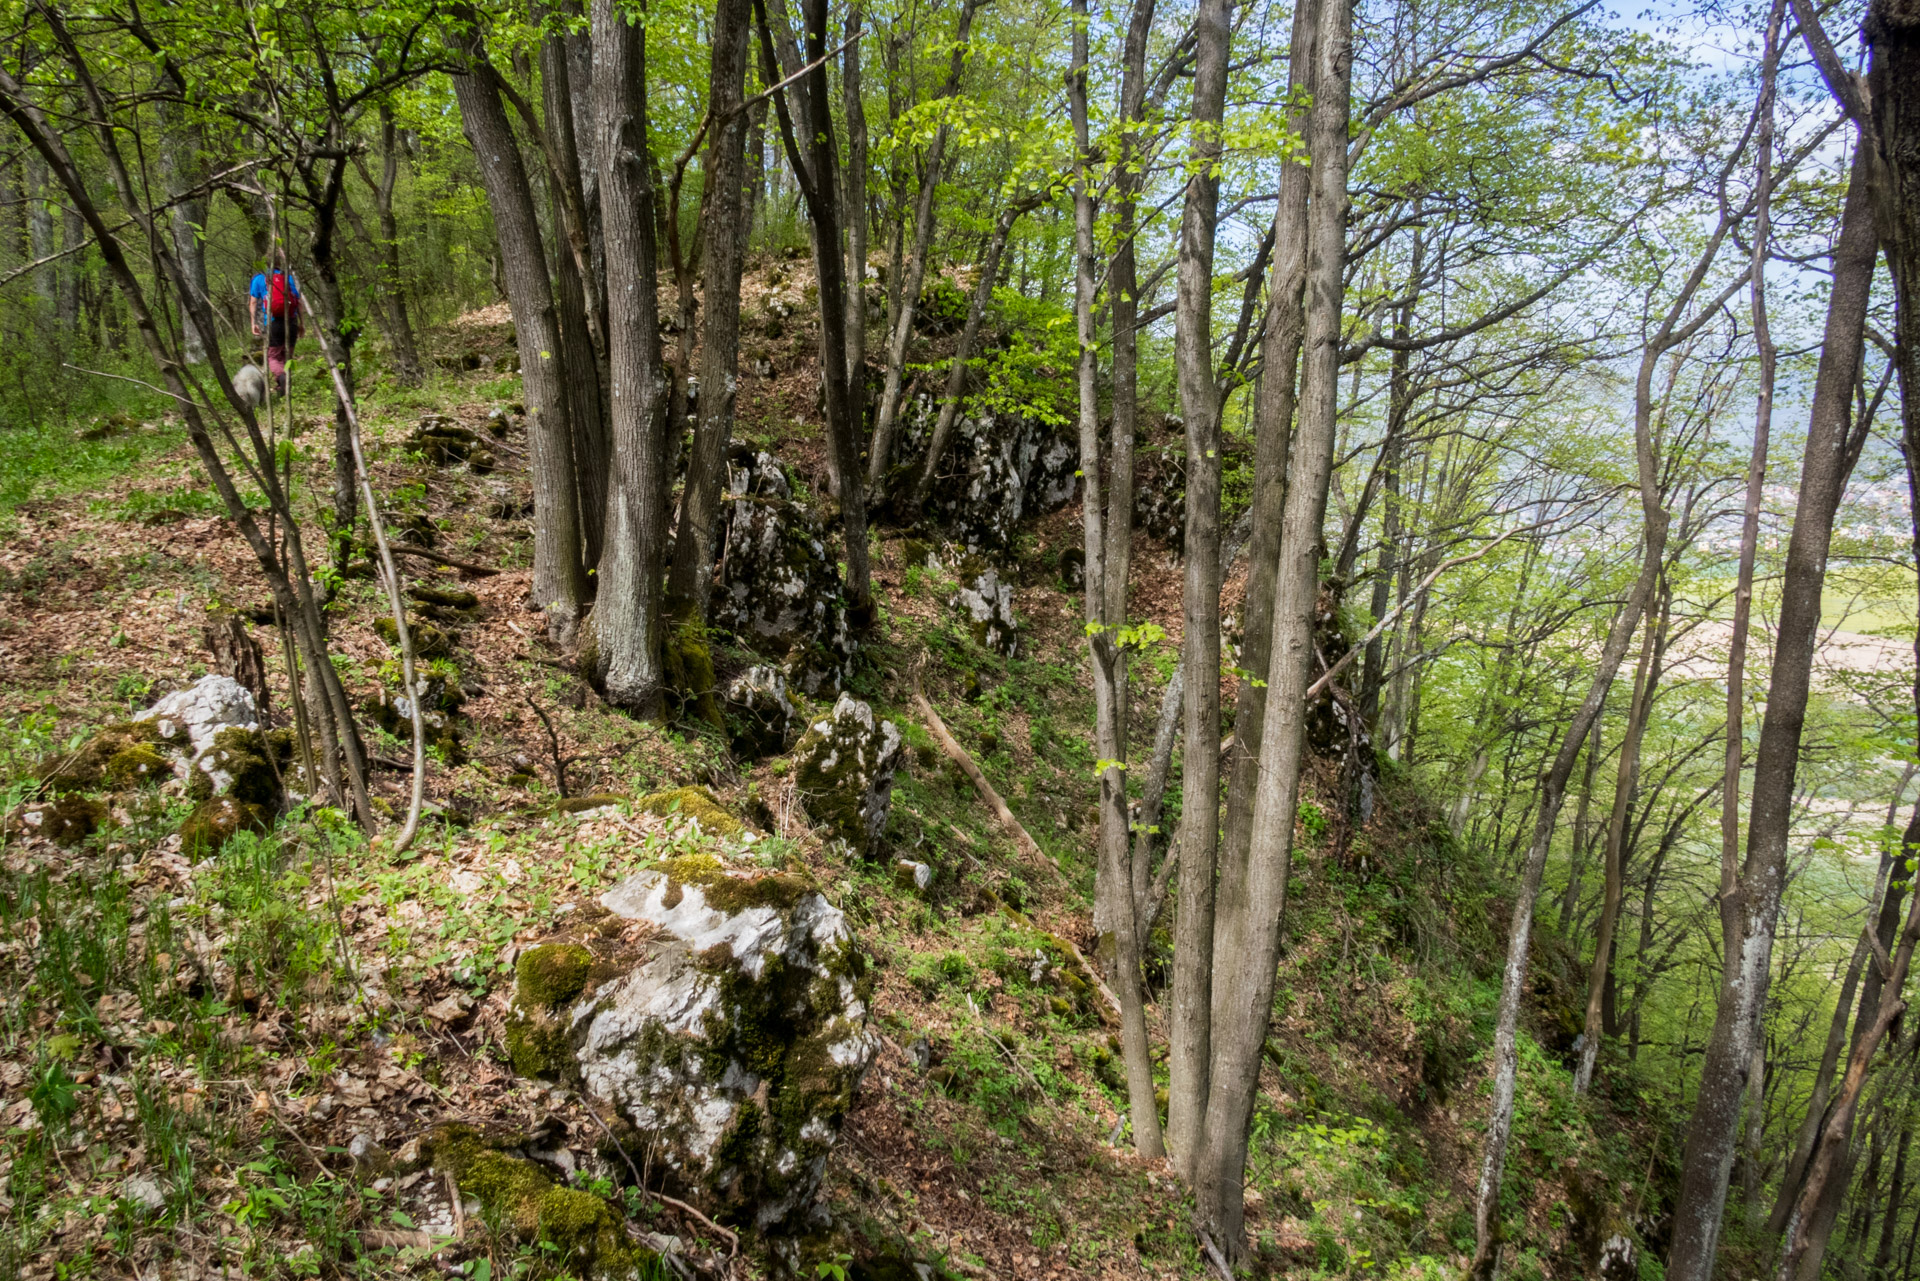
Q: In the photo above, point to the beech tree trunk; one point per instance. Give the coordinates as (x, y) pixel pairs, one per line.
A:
(1189, 1033)
(1749, 916)
(1191, 1049)
(1246, 941)
(815, 165)
(626, 640)
(559, 570)
(1115, 916)
(855, 206)
(723, 210)
(393, 288)
(578, 305)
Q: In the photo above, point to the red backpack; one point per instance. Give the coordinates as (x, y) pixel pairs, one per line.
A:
(280, 299)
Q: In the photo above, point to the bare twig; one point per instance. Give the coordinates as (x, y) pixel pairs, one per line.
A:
(553, 741)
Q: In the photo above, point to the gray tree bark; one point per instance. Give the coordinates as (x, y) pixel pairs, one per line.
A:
(1189, 1034)
(1246, 941)
(1114, 906)
(1749, 916)
(1191, 1049)
(625, 647)
(559, 571)
(725, 234)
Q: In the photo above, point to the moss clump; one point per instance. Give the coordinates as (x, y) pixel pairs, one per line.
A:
(777, 890)
(137, 764)
(520, 1198)
(66, 820)
(690, 678)
(215, 822)
(548, 976)
(87, 766)
(235, 765)
(428, 641)
(692, 802)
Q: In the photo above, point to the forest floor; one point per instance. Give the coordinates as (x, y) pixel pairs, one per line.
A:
(188, 1051)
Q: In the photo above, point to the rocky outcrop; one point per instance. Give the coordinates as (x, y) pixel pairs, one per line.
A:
(1160, 497)
(760, 717)
(695, 804)
(722, 1014)
(844, 766)
(986, 605)
(997, 470)
(778, 584)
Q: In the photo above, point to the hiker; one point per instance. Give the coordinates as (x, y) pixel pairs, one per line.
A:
(273, 302)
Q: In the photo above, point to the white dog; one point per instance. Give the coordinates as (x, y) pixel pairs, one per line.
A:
(251, 384)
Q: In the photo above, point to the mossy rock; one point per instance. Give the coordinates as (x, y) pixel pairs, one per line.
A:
(729, 1030)
(236, 765)
(87, 766)
(690, 678)
(844, 766)
(695, 803)
(545, 978)
(65, 820)
(138, 764)
(428, 641)
(215, 822)
(518, 1197)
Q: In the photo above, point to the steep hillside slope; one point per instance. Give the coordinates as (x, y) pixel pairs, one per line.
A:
(208, 1060)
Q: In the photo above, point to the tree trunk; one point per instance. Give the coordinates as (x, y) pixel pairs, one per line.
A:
(626, 639)
(1114, 904)
(1896, 1194)
(559, 571)
(854, 206)
(181, 170)
(725, 237)
(1809, 1134)
(1274, 401)
(1191, 1053)
(579, 308)
(1570, 901)
(815, 167)
(1626, 779)
(1748, 917)
(886, 421)
(393, 288)
(1246, 941)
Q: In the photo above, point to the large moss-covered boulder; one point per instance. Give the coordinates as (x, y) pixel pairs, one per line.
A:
(201, 711)
(778, 584)
(986, 605)
(519, 1198)
(722, 1014)
(760, 716)
(844, 766)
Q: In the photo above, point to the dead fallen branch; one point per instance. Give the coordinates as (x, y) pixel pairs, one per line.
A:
(439, 558)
